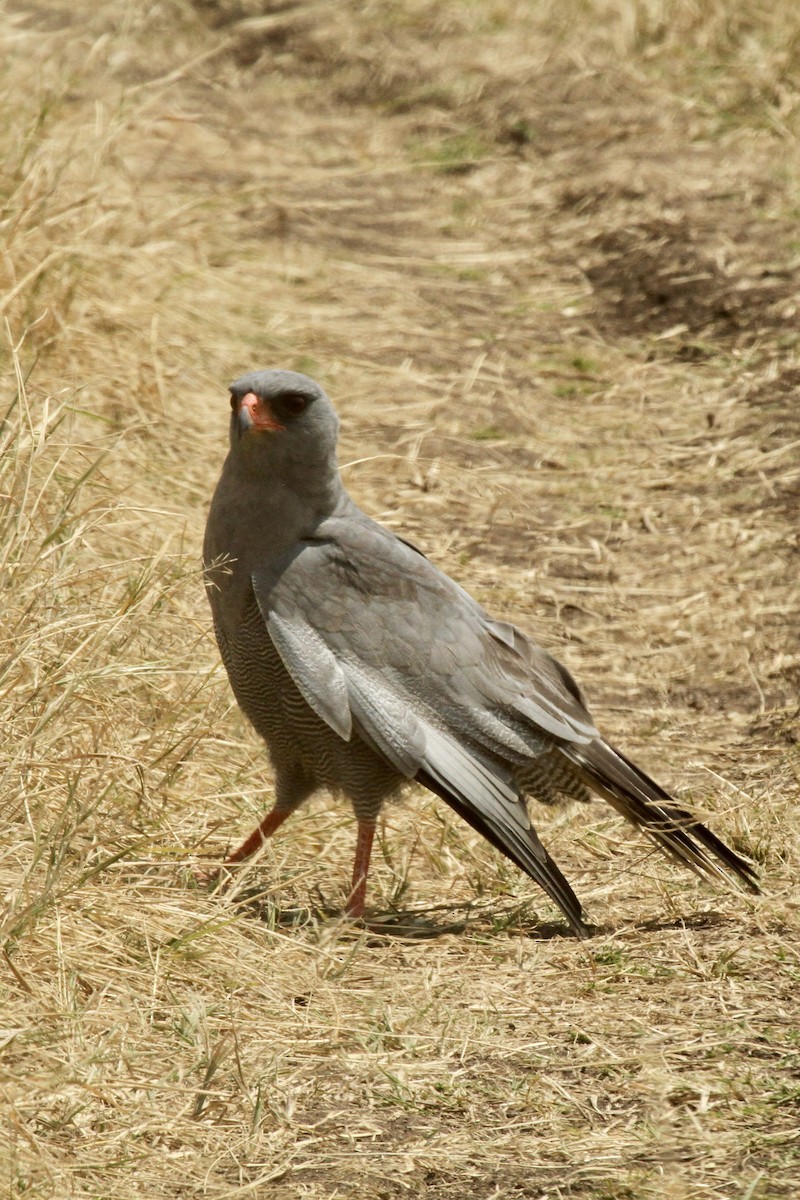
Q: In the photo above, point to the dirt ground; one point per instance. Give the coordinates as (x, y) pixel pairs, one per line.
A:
(545, 259)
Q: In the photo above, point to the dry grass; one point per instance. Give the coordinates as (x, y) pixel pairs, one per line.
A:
(545, 259)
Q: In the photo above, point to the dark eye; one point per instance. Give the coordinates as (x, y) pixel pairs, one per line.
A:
(294, 403)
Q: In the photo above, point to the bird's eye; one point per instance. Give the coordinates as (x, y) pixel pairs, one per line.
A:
(294, 403)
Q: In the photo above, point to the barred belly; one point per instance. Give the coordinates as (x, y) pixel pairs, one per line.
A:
(305, 752)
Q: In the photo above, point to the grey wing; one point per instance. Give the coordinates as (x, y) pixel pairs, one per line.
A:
(389, 621)
(416, 657)
(366, 694)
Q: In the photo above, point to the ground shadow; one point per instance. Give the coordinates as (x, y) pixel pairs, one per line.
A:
(405, 924)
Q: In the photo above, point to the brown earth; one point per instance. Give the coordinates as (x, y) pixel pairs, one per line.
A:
(545, 260)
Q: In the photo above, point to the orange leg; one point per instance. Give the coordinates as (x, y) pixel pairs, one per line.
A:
(257, 838)
(358, 889)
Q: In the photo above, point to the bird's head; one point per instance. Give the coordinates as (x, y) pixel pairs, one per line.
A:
(281, 417)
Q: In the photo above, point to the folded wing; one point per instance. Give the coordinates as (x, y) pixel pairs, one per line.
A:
(384, 646)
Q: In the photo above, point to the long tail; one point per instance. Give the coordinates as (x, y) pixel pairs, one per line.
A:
(642, 802)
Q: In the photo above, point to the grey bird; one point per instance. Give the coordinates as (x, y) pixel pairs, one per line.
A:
(363, 666)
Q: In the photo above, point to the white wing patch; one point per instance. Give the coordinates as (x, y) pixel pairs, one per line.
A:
(314, 669)
(481, 787)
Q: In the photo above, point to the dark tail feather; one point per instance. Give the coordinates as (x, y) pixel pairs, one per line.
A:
(522, 847)
(642, 802)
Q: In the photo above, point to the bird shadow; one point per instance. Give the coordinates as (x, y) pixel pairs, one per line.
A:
(698, 920)
(446, 920)
(404, 924)
(430, 922)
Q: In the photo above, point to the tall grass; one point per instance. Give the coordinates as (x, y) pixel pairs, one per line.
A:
(88, 673)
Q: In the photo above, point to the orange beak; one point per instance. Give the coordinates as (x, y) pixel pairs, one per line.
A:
(255, 413)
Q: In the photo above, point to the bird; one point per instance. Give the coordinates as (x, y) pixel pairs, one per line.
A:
(364, 667)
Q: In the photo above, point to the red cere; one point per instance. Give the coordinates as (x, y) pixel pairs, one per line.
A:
(260, 412)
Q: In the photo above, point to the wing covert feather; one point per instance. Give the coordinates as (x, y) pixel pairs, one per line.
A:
(380, 605)
(385, 721)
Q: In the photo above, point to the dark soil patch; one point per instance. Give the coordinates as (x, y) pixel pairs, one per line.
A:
(662, 275)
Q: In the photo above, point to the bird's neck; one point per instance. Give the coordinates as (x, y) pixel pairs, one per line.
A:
(252, 523)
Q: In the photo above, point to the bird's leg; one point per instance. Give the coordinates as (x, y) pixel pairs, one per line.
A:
(358, 889)
(259, 835)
